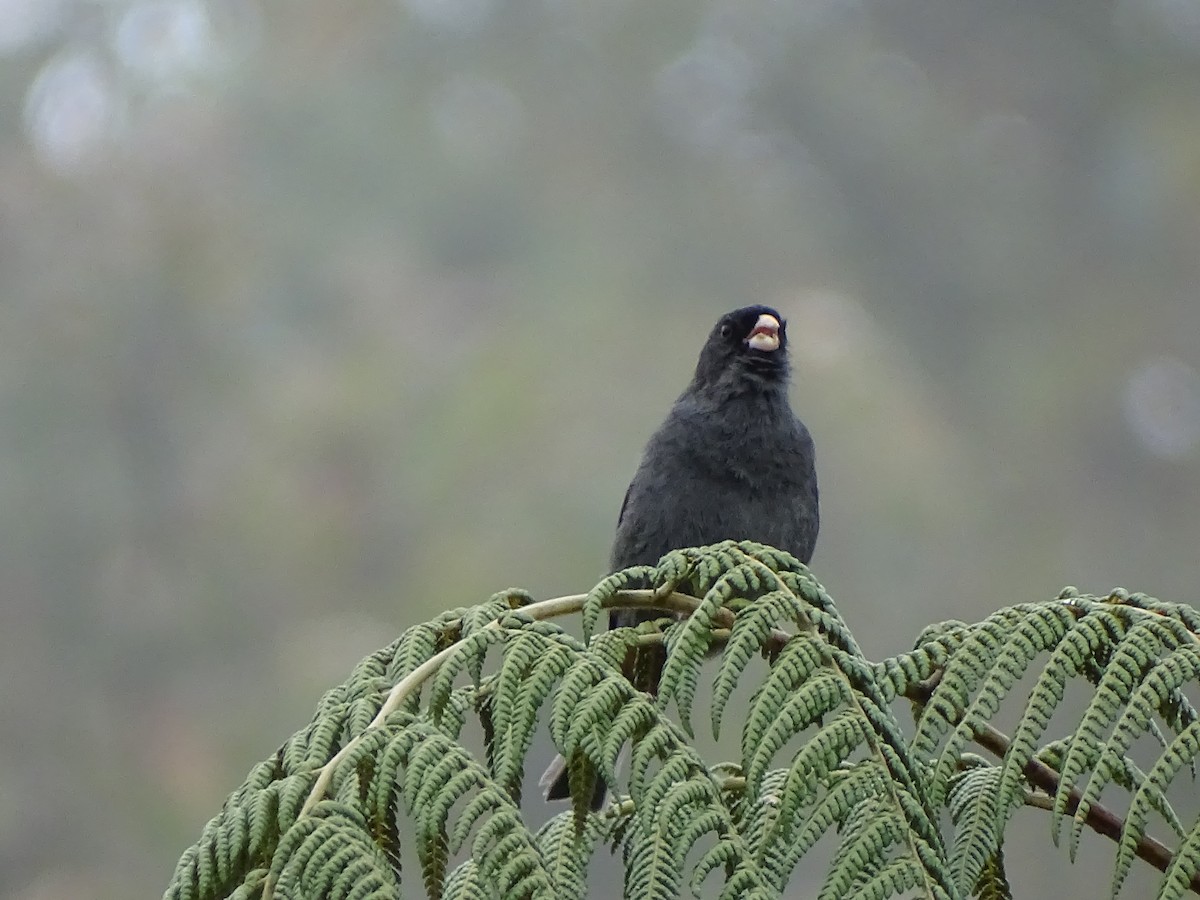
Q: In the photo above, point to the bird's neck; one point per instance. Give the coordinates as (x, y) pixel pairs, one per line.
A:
(760, 394)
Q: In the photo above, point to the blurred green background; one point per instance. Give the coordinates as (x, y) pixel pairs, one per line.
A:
(319, 318)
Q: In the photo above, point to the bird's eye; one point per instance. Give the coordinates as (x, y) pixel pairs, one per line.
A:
(726, 330)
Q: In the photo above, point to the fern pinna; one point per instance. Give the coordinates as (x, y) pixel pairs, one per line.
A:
(387, 766)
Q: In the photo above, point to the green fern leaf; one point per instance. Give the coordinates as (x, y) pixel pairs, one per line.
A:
(439, 774)
(468, 654)
(799, 659)
(900, 874)
(651, 869)
(978, 812)
(1160, 683)
(963, 675)
(566, 851)
(499, 606)
(815, 698)
(1183, 868)
(593, 713)
(813, 763)
(631, 722)
(531, 666)
(242, 837)
(993, 881)
(864, 850)
(251, 887)
(465, 883)
(779, 857)
(329, 854)
(608, 588)
(1130, 660)
(1039, 627)
(897, 675)
(655, 856)
(1082, 643)
(1178, 754)
(687, 644)
(751, 629)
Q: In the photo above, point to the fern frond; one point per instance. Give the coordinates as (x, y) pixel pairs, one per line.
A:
(897, 676)
(864, 864)
(993, 880)
(744, 883)
(242, 837)
(651, 868)
(979, 830)
(531, 667)
(420, 643)
(465, 883)
(1183, 750)
(996, 653)
(1026, 630)
(1031, 629)
(632, 721)
(750, 631)
(437, 775)
(1069, 658)
(566, 851)
(1161, 682)
(1184, 866)
(655, 856)
(799, 660)
(252, 885)
(498, 606)
(1140, 655)
(821, 612)
(382, 764)
(1187, 616)
(900, 874)
(466, 655)
(819, 679)
(849, 788)
(606, 590)
(1144, 637)
(329, 854)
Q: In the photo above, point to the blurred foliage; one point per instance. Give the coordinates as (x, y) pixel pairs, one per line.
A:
(304, 303)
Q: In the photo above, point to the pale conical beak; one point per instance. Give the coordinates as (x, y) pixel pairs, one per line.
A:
(765, 334)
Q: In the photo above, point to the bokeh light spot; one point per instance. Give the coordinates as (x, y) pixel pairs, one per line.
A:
(165, 39)
(702, 94)
(1162, 406)
(71, 111)
(25, 22)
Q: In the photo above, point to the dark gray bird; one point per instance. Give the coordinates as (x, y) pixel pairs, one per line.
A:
(731, 462)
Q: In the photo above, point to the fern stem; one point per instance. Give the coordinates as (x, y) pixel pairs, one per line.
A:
(1100, 818)
(544, 609)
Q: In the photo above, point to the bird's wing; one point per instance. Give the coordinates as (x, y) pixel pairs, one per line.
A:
(624, 504)
(618, 617)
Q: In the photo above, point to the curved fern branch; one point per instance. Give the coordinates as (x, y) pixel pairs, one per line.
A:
(1099, 818)
(413, 682)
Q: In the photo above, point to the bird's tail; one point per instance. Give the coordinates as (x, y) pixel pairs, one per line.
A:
(556, 785)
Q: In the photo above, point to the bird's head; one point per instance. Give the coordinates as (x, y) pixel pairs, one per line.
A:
(746, 346)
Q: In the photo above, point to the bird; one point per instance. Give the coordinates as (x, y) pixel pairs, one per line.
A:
(731, 461)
